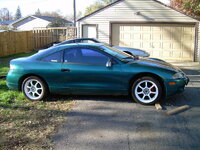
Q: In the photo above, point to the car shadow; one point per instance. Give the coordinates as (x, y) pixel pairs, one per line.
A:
(125, 99)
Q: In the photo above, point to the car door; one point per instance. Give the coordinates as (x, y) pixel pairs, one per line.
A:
(49, 68)
(84, 71)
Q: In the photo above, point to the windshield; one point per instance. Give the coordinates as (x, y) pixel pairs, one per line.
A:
(119, 54)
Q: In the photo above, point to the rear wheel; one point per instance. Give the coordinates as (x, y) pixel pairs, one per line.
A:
(34, 88)
(146, 90)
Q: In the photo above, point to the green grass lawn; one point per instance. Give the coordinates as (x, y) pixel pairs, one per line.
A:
(25, 124)
(6, 96)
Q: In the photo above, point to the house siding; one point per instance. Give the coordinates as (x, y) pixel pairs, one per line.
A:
(30, 23)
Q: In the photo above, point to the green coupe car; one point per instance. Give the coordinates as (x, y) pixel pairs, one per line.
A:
(94, 69)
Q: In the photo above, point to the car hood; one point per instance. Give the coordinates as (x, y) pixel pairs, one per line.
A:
(155, 63)
(128, 48)
(134, 51)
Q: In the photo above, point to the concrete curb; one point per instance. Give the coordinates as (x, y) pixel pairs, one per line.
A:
(186, 64)
(178, 110)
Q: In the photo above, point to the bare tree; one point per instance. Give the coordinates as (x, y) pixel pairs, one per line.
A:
(5, 15)
(56, 13)
(70, 17)
(98, 4)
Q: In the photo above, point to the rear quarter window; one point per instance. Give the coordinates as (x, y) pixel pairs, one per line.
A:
(55, 57)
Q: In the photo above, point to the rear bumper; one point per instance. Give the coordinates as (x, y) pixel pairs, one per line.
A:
(12, 80)
(12, 86)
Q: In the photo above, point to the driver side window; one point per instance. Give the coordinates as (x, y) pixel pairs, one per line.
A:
(85, 56)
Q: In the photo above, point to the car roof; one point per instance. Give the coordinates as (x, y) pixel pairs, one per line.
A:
(80, 44)
(57, 48)
(85, 39)
(77, 40)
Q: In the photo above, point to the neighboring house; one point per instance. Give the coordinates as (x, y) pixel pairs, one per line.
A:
(30, 22)
(145, 24)
(5, 23)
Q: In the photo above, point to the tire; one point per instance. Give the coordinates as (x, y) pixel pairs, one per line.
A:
(34, 88)
(146, 90)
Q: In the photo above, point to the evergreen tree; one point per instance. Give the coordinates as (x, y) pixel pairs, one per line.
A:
(38, 13)
(18, 13)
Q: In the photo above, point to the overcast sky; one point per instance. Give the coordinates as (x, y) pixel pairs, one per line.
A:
(29, 7)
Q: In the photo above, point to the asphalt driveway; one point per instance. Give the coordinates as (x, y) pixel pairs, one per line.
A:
(120, 124)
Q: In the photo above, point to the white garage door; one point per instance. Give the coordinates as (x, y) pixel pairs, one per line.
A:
(171, 42)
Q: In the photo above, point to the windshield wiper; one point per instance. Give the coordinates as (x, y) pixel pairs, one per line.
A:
(128, 58)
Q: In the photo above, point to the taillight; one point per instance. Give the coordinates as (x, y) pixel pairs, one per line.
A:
(12, 67)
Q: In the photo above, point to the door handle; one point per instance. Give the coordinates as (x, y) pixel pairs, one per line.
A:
(65, 70)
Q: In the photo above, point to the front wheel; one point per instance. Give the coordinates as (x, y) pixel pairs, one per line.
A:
(146, 90)
(34, 88)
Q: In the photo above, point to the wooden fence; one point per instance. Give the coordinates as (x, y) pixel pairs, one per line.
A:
(13, 42)
(46, 36)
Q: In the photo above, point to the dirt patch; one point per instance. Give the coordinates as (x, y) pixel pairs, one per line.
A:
(30, 125)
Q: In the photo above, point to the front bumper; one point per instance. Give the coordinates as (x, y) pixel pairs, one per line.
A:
(177, 88)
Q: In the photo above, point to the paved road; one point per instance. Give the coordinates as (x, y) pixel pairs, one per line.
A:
(118, 123)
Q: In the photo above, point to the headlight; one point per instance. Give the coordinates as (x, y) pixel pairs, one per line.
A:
(178, 75)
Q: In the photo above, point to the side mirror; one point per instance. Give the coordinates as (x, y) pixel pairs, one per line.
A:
(109, 63)
(136, 56)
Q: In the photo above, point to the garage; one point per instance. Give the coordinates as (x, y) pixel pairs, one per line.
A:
(148, 25)
(171, 42)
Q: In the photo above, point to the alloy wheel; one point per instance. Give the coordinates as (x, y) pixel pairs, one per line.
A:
(146, 91)
(33, 89)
